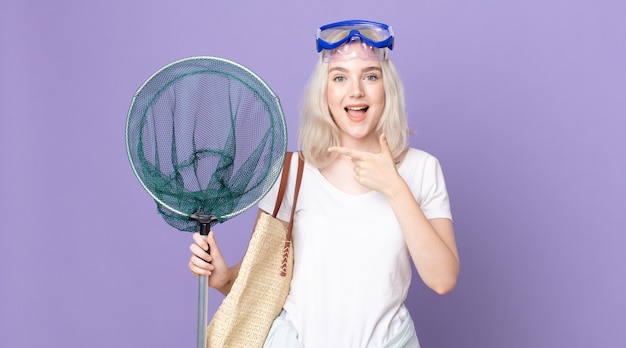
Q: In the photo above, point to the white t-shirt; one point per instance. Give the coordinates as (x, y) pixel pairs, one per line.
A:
(352, 268)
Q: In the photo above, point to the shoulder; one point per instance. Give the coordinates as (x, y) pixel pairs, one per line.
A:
(420, 167)
(417, 157)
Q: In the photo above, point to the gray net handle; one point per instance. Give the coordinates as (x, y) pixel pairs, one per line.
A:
(203, 297)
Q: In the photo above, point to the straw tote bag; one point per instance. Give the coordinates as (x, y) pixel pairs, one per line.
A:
(258, 294)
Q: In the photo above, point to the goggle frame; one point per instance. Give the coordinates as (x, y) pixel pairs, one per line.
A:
(354, 26)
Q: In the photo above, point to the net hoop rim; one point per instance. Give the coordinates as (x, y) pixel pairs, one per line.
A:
(264, 85)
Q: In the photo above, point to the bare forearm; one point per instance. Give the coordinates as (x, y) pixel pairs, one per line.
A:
(233, 272)
(430, 242)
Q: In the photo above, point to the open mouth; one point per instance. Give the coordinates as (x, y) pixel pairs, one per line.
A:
(356, 113)
(356, 110)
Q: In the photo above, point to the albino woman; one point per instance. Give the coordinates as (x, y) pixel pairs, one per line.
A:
(368, 205)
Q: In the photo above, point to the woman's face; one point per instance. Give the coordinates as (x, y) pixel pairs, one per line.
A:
(356, 97)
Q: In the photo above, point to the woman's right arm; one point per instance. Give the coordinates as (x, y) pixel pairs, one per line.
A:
(221, 277)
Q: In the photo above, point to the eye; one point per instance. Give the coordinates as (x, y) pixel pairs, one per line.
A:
(371, 77)
(339, 78)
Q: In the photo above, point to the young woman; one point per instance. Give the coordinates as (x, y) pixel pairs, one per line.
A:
(368, 205)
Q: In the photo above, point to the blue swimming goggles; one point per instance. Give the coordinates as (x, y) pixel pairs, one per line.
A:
(331, 36)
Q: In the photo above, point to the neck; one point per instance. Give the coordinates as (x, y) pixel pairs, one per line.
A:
(368, 144)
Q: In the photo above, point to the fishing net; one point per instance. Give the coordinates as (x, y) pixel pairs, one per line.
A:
(206, 137)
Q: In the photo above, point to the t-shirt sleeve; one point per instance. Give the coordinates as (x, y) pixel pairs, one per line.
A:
(268, 202)
(433, 198)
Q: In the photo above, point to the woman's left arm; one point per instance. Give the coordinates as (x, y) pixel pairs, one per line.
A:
(431, 242)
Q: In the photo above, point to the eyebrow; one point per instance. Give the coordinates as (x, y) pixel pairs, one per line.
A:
(367, 69)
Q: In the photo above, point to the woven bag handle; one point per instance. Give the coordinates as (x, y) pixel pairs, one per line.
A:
(283, 183)
(295, 194)
(283, 187)
(279, 200)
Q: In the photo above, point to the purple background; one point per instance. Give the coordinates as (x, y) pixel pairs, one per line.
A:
(524, 103)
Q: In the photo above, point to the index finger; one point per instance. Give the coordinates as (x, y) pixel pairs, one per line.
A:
(200, 241)
(345, 151)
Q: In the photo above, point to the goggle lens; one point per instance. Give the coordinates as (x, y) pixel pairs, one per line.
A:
(355, 48)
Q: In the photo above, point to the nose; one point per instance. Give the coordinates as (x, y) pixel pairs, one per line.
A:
(356, 90)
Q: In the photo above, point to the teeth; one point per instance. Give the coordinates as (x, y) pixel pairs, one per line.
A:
(357, 108)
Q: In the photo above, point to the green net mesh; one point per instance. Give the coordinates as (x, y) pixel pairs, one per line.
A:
(205, 137)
